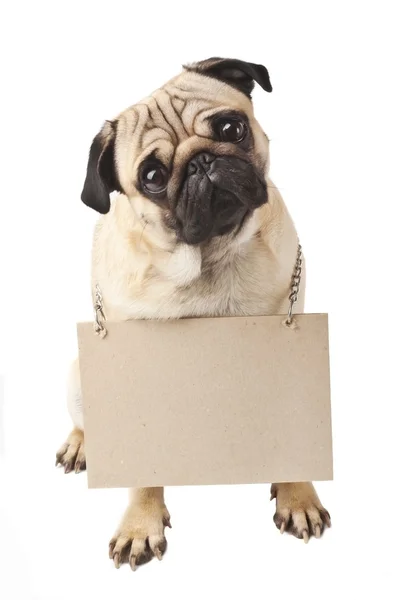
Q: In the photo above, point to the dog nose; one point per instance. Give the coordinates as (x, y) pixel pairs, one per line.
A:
(200, 162)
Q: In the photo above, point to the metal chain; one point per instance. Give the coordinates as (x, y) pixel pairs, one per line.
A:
(99, 314)
(295, 283)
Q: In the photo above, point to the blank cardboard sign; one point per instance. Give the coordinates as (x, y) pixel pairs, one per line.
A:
(206, 401)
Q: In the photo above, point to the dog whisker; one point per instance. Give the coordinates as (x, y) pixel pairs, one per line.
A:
(143, 230)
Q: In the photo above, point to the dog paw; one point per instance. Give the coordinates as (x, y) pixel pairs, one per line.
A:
(71, 455)
(299, 510)
(140, 536)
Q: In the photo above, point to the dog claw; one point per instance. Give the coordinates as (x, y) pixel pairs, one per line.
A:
(116, 560)
(80, 466)
(282, 528)
(158, 554)
(326, 517)
(305, 536)
(317, 531)
(132, 563)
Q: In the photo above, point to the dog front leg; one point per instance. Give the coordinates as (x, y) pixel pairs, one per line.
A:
(140, 535)
(71, 455)
(299, 510)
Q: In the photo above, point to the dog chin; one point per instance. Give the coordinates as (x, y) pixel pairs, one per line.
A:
(222, 230)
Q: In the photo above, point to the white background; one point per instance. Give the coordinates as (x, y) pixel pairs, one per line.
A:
(333, 119)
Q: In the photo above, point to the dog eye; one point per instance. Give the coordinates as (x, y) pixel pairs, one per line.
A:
(154, 179)
(231, 130)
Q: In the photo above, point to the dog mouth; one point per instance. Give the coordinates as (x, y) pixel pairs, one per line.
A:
(221, 222)
(217, 197)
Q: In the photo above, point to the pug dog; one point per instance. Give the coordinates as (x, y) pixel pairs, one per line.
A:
(196, 228)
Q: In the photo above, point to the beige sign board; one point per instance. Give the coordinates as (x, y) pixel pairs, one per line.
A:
(232, 400)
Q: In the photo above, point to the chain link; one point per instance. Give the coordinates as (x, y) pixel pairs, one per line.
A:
(99, 314)
(295, 283)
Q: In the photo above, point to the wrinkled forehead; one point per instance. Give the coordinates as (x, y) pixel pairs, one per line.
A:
(172, 116)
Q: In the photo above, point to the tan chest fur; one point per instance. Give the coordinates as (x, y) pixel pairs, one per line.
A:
(249, 275)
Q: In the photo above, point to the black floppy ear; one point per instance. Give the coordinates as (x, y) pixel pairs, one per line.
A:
(238, 73)
(101, 177)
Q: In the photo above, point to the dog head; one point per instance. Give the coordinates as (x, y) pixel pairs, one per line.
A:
(191, 157)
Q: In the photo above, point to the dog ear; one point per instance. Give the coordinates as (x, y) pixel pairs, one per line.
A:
(238, 73)
(101, 176)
